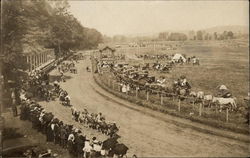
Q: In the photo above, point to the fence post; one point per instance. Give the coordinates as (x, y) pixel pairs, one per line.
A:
(200, 109)
(179, 105)
(136, 92)
(216, 108)
(147, 95)
(113, 86)
(161, 98)
(193, 104)
(227, 115)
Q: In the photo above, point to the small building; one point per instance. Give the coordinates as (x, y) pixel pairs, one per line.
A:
(107, 54)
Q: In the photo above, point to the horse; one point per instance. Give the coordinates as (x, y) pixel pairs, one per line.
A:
(231, 102)
(200, 95)
(208, 100)
(196, 61)
(103, 127)
(193, 94)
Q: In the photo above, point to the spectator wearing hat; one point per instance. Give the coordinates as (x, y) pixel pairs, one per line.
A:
(71, 137)
(63, 137)
(80, 145)
(93, 141)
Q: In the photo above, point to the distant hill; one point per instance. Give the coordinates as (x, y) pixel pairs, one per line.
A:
(233, 28)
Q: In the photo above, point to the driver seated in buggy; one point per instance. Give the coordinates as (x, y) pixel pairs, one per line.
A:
(185, 84)
(182, 86)
(223, 92)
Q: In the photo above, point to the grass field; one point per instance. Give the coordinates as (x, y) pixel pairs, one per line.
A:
(222, 62)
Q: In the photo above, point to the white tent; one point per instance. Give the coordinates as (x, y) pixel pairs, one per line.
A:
(179, 56)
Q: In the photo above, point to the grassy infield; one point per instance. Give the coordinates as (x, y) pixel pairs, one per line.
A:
(219, 65)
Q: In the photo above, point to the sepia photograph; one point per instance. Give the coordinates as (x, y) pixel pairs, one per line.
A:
(124, 78)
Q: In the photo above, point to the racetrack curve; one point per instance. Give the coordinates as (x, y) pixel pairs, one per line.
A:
(146, 136)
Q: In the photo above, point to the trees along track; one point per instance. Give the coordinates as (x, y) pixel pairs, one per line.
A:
(147, 133)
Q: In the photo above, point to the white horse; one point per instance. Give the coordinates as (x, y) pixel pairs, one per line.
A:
(196, 61)
(208, 99)
(193, 94)
(225, 101)
(200, 95)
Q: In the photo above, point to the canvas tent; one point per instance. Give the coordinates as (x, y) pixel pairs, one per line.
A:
(179, 56)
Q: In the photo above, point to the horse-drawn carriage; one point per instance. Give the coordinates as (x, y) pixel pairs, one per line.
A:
(166, 68)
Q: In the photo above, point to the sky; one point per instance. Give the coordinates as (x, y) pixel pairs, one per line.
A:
(139, 17)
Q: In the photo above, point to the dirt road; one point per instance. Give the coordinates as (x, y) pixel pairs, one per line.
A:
(144, 135)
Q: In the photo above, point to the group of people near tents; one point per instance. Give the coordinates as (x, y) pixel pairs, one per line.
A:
(173, 58)
(180, 58)
(130, 76)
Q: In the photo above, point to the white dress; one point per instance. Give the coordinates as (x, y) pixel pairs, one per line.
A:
(124, 88)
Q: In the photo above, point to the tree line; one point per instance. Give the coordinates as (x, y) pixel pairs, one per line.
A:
(192, 35)
(173, 36)
(32, 26)
(37, 24)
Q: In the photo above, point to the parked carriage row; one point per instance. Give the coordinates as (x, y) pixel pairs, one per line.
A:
(129, 75)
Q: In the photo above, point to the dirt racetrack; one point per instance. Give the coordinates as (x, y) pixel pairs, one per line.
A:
(145, 135)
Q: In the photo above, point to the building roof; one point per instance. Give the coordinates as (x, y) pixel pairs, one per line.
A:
(105, 48)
